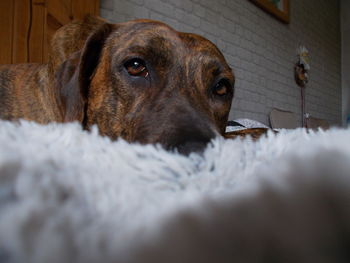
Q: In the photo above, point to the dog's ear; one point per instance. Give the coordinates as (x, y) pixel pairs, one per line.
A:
(72, 79)
(71, 38)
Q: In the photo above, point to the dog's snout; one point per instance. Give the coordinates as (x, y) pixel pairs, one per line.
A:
(186, 129)
(192, 147)
(191, 141)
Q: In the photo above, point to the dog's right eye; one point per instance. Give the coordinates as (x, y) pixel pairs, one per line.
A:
(136, 67)
(222, 88)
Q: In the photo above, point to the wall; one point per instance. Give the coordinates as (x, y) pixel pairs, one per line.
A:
(259, 48)
(345, 17)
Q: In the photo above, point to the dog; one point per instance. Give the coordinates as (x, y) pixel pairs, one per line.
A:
(140, 80)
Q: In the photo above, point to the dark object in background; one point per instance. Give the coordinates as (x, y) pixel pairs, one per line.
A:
(234, 123)
(245, 127)
(255, 133)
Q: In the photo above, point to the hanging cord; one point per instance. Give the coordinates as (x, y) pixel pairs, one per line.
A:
(303, 120)
(301, 80)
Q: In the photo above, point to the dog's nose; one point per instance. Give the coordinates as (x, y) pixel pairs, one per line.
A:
(192, 146)
(186, 141)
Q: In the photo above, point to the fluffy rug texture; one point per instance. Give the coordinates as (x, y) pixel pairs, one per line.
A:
(68, 195)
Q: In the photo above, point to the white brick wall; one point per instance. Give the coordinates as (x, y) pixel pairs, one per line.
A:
(259, 48)
(345, 17)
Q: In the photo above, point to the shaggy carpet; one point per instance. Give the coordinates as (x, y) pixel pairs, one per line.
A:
(68, 195)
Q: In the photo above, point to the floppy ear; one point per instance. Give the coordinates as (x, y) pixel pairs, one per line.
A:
(72, 79)
(71, 38)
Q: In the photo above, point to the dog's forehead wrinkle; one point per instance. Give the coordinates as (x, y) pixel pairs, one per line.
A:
(199, 43)
(158, 44)
(203, 50)
(203, 60)
(145, 29)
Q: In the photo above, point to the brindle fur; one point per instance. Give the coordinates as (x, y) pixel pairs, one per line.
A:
(85, 80)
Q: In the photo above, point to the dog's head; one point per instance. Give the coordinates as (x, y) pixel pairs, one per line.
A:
(145, 82)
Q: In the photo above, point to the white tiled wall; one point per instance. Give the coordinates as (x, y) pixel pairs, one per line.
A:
(259, 48)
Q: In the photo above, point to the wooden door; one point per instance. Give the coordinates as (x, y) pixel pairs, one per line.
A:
(26, 26)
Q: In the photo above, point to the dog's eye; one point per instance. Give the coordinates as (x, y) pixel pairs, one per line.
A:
(222, 88)
(136, 67)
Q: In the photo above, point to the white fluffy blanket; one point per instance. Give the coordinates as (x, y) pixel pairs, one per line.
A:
(67, 195)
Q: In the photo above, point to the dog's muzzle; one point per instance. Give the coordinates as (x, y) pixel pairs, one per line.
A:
(192, 147)
(191, 139)
(177, 125)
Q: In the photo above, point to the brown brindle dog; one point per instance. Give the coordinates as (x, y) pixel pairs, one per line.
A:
(140, 80)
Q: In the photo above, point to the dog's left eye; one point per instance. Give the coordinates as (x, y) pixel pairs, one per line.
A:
(222, 88)
(136, 67)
